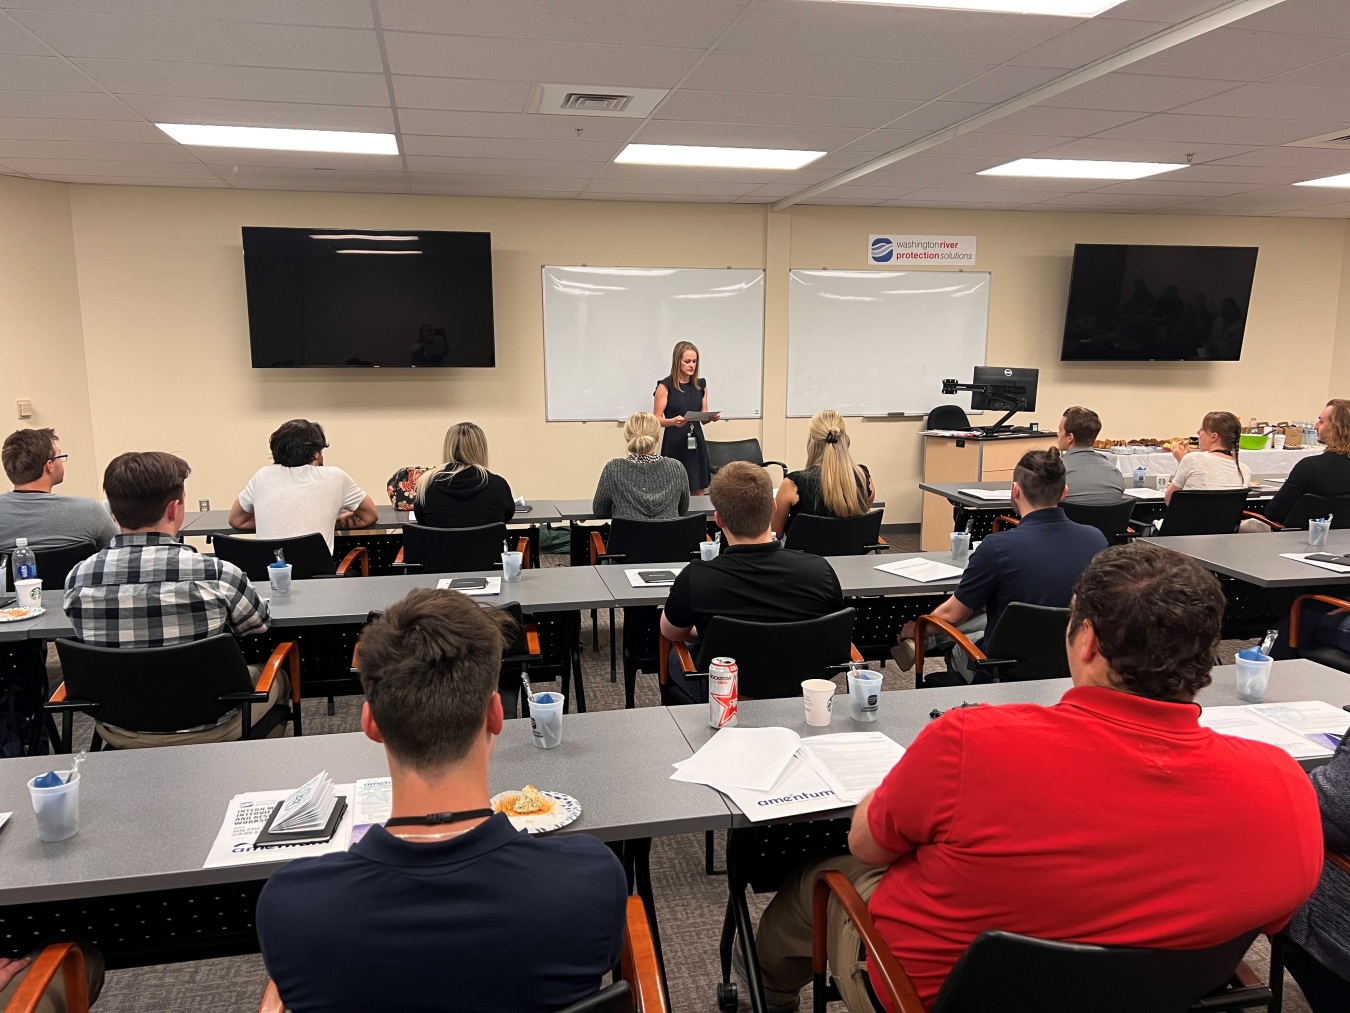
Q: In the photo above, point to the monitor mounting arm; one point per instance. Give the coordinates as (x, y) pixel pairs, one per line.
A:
(998, 396)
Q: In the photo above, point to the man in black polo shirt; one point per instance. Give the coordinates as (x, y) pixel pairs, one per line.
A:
(461, 914)
(1038, 562)
(753, 577)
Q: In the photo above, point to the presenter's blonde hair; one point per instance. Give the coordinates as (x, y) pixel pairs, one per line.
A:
(465, 449)
(843, 485)
(680, 348)
(642, 433)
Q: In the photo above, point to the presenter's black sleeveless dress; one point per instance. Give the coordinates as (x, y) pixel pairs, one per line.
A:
(675, 439)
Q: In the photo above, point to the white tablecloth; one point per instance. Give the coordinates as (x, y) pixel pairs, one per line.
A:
(1274, 463)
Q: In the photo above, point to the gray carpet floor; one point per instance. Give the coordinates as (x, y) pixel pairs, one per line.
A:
(690, 904)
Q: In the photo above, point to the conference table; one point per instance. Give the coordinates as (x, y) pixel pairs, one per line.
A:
(217, 522)
(148, 817)
(954, 493)
(1257, 558)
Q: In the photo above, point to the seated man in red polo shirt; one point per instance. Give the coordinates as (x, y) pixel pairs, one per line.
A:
(1111, 818)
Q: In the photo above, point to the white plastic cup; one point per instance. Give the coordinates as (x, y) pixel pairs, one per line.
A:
(819, 697)
(511, 563)
(1317, 535)
(1279, 441)
(1253, 675)
(960, 546)
(709, 550)
(57, 808)
(280, 576)
(29, 592)
(864, 695)
(546, 719)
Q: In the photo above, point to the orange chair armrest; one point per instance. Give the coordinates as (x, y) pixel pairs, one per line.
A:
(1339, 860)
(893, 976)
(289, 654)
(1297, 608)
(523, 547)
(921, 630)
(65, 957)
(1002, 521)
(597, 547)
(532, 639)
(1244, 976)
(399, 557)
(681, 652)
(854, 654)
(640, 968)
(1263, 519)
(271, 1000)
(59, 695)
(358, 554)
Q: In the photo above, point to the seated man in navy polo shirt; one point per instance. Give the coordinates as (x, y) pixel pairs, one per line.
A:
(462, 913)
(1036, 562)
(753, 577)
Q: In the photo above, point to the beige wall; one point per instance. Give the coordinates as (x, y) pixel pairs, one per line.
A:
(165, 332)
(41, 342)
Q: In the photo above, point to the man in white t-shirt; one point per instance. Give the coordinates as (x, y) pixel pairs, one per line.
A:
(299, 494)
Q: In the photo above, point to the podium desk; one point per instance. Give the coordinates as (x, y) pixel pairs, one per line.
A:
(972, 459)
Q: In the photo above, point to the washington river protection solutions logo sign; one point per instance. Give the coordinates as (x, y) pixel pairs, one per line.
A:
(920, 251)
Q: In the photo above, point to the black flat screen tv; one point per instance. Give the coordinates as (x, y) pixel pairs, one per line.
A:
(360, 298)
(1133, 303)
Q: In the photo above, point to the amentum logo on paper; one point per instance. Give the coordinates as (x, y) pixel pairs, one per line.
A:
(901, 251)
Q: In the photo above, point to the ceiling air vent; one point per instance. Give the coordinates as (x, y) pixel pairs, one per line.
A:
(1336, 139)
(594, 100)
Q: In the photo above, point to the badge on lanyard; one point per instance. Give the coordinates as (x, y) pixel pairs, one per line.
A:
(693, 440)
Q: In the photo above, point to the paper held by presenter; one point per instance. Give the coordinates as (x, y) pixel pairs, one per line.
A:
(702, 416)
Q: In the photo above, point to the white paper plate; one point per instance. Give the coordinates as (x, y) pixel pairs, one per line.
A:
(566, 811)
(30, 612)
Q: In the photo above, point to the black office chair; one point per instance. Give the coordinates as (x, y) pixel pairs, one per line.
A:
(53, 565)
(308, 555)
(948, 416)
(163, 689)
(1307, 508)
(1204, 512)
(1027, 644)
(837, 536)
(723, 452)
(1113, 521)
(1003, 972)
(772, 659)
(457, 550)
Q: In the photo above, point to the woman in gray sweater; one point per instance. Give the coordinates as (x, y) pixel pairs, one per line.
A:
(643, 486)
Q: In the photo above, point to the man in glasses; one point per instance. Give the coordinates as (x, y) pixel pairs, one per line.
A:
(35, 465)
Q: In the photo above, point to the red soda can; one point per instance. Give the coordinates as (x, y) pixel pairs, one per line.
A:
(722, 693)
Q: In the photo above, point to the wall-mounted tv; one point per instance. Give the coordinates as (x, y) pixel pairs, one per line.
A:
(1158, 302)
(360, 298)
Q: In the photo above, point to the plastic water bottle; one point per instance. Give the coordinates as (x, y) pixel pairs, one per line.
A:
(25, 563)
(1140, 473)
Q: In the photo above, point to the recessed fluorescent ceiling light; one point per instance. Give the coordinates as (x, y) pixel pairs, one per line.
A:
(1080, 168)
(1062, 8)
(359, 235)
(727, 158)
(279, 139)
(1342, 180)
(385, 253)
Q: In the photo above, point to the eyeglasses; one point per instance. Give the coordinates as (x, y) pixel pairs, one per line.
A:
(58, 457)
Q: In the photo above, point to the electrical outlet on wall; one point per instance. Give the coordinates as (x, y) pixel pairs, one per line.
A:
(24, 409)
(203, 505)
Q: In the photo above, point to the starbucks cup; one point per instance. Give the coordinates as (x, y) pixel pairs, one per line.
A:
(819, 697)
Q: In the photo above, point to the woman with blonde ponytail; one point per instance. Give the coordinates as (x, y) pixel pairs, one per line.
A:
(644, 486)
(830, 485)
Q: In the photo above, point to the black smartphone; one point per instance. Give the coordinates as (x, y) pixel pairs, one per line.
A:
(657, 576)
(1328, 557)
(524, 508)
(460, 583)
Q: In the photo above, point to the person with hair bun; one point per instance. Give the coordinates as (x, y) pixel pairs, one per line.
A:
(644, 486)
(1216, 465)
(1035, 563)
(830, 485)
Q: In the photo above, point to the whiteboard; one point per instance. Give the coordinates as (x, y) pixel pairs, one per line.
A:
(882, 342)
(609, 333)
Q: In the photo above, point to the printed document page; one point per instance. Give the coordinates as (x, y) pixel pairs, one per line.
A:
(752, 758)
(799, 790)
(374, 799)
(1324, 723)
(852, 763)
(1245, 724)
(922, 570)
(248, 814)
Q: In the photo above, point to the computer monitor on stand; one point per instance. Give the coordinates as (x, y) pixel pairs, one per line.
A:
(999, 388)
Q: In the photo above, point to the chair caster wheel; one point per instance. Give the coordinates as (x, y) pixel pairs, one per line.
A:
(726, 996)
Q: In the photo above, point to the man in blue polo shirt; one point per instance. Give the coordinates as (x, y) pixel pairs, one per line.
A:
(1038, 562)
(450, 908)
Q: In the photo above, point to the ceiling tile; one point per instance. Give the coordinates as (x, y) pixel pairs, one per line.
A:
(804, 110)
(503, 166)
(109, 167)
(688, 24)
(511, 147)
(1181, 186)
(1322, 18)
(494, 192)
(1171, 11)
(41, 73)
(754, 177)
(1333, 73)
(536, 60)
(1141, 92)
(876, 142)
(993, 184)
(1073, 122)
(1235, 54)
(828, 201)
(1097, 199)
(1087, 41)
(1292, 158)
(326, 87)
(1002, 195)
(1216, 172)
(334, 13)
(1265, 201)
(16, 41)
(903, 179)
(67, 177)
(63, 105)
(1009, 145)
(709, 188)
(111, 150)
(928, 161)
(470, 181)
(815, 75)
(237, 112)
(299, 161)
(461, 123)
(198, 40)
(937, 115)
(246, 171)
(462, 94)
(743, 135)
(32, 128)
(1218, 129)
(394, 184)
(999, 84)
(1143, 151)
(667, 199)
(1276, 101)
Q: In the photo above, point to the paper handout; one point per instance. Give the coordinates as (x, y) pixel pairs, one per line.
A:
(751, 758)
(992, 495)
(852, 763)
(374, 800)
(1302, 557)
(1246, 724)
(922, 570)
(492, 586)
(799, 790)
(1325, 724)
(245, 818)
(660, 576)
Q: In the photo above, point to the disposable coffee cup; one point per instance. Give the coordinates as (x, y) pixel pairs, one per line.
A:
(1253, 675)
(819, 697)
(29, 592)
(960, 546)
(57, 808)
(511, 562)
(1160, 483)
(709, 550)
(546, 719)
(864, 695)
(280, 576)
(1279, 441)
(1317, 535)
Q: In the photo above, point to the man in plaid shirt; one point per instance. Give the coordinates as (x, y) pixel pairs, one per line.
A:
(148, 590)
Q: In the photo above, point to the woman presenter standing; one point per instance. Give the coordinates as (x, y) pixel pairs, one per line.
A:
(677, 394)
